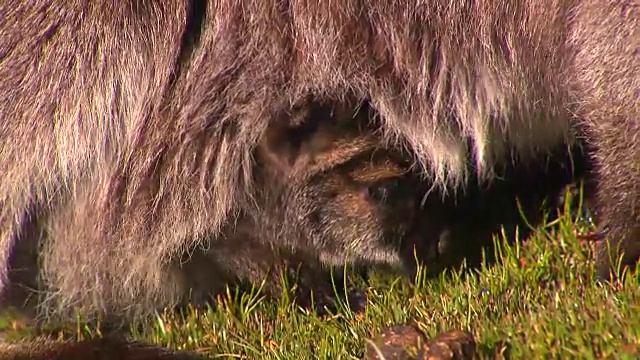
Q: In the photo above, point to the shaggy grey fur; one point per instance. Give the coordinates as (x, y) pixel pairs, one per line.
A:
(129, 127)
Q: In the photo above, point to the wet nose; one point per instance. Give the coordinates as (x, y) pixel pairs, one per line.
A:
(444, 242)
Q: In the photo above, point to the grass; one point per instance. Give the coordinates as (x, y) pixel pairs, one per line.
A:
(539, 301)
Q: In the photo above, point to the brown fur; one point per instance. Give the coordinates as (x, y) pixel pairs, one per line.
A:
(133, 125)
(330, 189)
(336, 197)
(330, 195)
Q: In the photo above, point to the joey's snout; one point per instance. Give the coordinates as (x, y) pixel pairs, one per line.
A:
(428, 250)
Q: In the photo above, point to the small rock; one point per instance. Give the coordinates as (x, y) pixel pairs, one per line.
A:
(400, 342)
(405, 342)
(450, 345)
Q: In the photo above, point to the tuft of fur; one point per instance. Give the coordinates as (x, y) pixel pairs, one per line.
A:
(132, 125)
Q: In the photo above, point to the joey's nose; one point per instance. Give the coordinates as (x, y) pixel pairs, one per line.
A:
(438, 246)
(444, 242)
(432, 252)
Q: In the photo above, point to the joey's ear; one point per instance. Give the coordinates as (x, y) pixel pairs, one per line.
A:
(280, 147)
(301, 133)
(308, 135)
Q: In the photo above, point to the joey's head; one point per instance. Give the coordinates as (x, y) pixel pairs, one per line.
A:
(359, 211)
(345, 196)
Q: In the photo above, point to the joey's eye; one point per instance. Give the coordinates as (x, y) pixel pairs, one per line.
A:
(382, 190)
